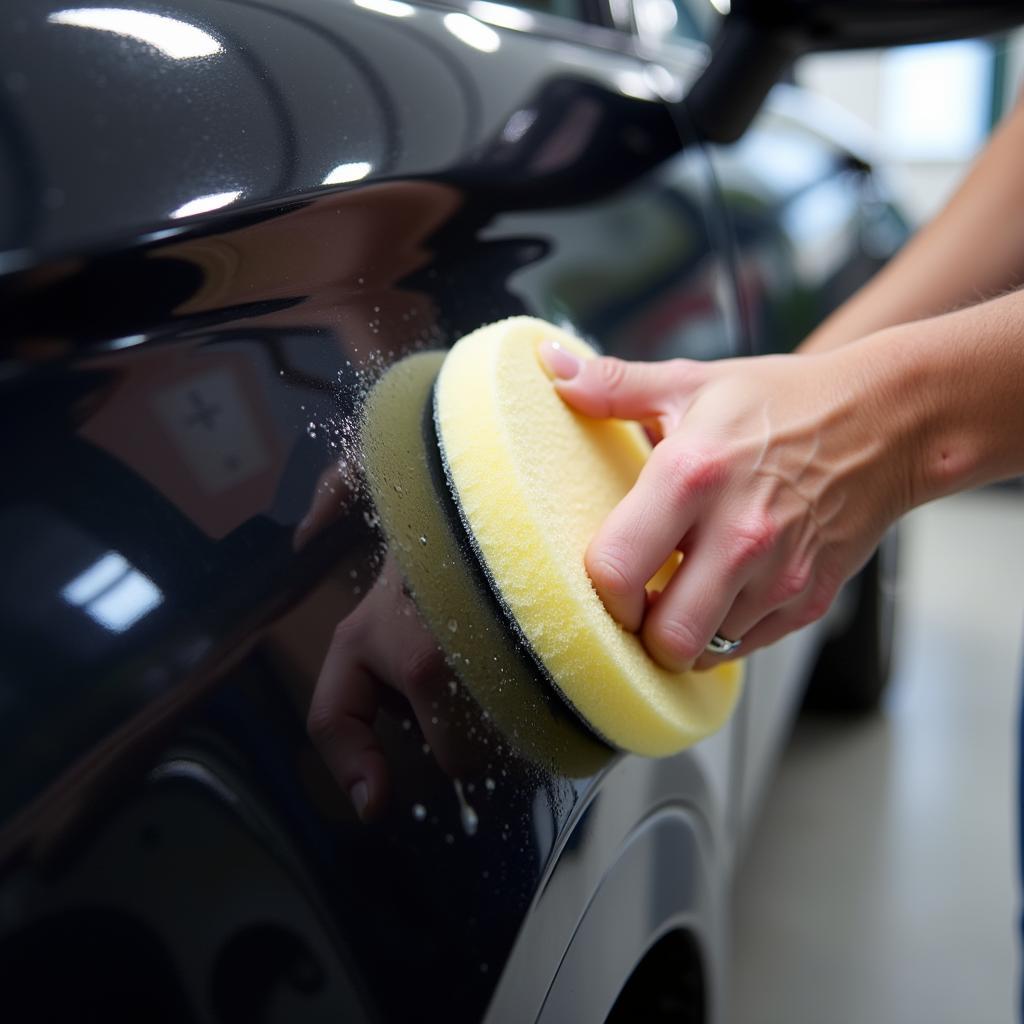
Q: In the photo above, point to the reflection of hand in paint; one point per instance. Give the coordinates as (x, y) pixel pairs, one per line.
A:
(330, 499)
(384, 644)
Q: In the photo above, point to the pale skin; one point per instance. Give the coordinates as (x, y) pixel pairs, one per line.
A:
(778, 475)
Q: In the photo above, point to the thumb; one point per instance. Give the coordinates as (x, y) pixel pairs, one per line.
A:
(605, 386)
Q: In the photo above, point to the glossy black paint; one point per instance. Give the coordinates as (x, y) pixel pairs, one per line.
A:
(185, 528)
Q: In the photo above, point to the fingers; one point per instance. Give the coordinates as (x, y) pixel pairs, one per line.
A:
(340, 723)
(639, 535)
(810, 604)
(330, 497)
(383, 646)
(605, 386)
(772, 627)
(777, 588)
(411, 662)
(701, 595)
(366, 655)
(745, 613)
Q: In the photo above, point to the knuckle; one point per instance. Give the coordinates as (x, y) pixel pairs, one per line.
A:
(693, 474)
(751, 541)
(419, 669)
(805, 617)
(790, 585)
(344, 634)
(320, 723)
(610, 372)
(677, 641)
(819, 603)
(682, 370)
(706, 472)
(609, 571)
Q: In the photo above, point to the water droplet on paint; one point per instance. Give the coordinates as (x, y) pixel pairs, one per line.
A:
(470, 821)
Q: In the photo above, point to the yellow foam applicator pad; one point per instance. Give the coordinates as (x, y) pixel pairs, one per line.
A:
(533, 481)
(427, 542)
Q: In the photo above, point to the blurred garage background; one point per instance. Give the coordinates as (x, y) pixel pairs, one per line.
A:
(881, 882)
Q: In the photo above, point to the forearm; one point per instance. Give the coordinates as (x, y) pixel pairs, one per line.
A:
(974, 249)
(950, 392)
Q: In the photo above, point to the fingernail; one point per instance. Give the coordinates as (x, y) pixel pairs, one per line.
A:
(359, 794)
(558, 361)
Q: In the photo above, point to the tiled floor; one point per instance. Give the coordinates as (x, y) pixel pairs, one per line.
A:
(880, 883)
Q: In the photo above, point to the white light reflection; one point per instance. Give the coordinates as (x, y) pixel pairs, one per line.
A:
(161, 235)
(112, 593)
(203, 204)
(499, 14)
(348, 172)
(392, 8)
(518, 125)
(128, 341)
(722, 6)
(97, 578)
(125, 602)
(635, 84)
(170, 36)
(657, 17)
(664, 83)
(472, 32)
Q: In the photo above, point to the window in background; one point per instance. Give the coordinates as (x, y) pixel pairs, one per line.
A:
(936, 100)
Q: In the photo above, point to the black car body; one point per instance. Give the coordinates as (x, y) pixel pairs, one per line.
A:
(220, 221)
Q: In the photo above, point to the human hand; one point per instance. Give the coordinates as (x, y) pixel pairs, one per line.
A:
(384, 646)
(775, 476)
(331, 496)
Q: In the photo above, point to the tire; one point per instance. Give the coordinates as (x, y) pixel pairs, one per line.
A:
(853, 668)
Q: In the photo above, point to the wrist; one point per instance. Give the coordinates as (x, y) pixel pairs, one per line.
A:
(910, 377)
(894, 396)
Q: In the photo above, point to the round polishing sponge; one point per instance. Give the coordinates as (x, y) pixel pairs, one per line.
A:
(427, 542)
(533, 480)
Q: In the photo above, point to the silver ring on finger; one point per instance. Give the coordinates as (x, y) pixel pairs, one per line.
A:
(720, 645)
